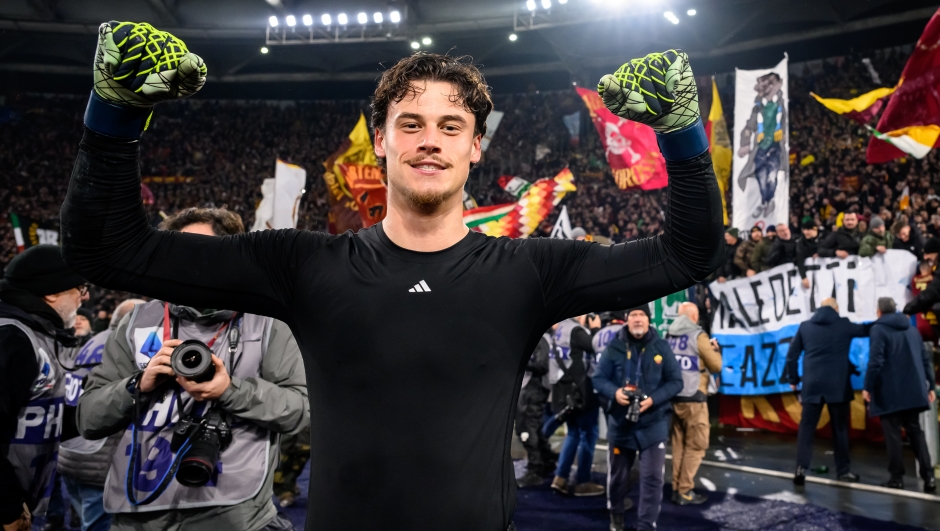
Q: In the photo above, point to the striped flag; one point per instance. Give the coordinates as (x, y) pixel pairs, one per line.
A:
(524, 216)
(485, 214)
(17, 233)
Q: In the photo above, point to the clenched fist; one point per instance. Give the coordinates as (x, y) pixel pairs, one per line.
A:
(137, 65)
(658, 90)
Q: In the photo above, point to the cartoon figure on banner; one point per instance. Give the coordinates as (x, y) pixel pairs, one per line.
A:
(619, 144)
(767, 160)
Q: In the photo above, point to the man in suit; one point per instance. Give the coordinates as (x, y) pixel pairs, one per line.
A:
(898, 386)
(825, 339)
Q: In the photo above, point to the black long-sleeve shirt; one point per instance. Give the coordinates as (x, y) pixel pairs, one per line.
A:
(412, 392)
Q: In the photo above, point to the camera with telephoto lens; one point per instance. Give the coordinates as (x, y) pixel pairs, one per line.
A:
(636, 396)
(192, 360)
(208, 436)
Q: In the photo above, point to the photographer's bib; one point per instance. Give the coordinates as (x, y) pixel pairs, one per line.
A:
(685, 347)
(32, 448)
(560, 355)
(242, 467)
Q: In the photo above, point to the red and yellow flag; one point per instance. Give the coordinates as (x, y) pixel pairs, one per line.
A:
(914, 105)
(356, 149)
(632, 150)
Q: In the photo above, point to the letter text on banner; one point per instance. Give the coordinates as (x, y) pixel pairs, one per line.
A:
(757, 317)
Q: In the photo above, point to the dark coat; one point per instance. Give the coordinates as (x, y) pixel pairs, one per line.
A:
(840, 240)
(806, 248)
(899, 369)
(660, 379)
(782, 252)
(924, 301)
(914, 244)
(729, 269)
(825, 338)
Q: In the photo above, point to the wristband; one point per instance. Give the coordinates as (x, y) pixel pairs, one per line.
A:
(684, 144)
(117, 121)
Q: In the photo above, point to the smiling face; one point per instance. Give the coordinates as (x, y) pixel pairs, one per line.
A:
(428, 143)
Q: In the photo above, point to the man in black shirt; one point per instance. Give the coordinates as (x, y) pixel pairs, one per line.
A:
(845, 240)
(783, 250)
(807, 247)
(419, 407)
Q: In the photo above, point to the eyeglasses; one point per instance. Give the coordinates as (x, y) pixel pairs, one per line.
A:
(83, 289)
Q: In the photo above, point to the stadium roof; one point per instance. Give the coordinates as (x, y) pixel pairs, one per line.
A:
(47, 45)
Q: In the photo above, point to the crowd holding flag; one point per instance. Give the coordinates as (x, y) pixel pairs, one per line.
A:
(632, 151)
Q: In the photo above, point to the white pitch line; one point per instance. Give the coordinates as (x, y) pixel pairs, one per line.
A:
(812, 479)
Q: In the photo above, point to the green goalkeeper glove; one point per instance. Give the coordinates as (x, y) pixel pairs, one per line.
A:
(138, 65)
(657, 90)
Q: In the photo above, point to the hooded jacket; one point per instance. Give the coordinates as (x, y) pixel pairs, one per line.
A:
(871, 241)
(660, 379)
(709, 360)
(826, 339)
(899, 370)
(18, 369)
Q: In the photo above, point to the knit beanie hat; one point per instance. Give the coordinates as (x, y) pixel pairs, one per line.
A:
(41, 270)
(732, 231)
(645, 308)
(876, 222)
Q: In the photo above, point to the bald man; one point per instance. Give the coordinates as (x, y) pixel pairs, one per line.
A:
(825, 339)
(697, 356)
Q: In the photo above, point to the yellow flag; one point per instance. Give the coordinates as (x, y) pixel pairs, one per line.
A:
(858, 104)
(720, 142)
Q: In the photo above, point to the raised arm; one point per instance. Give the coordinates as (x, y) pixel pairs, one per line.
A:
(105, 232)
(577, 277)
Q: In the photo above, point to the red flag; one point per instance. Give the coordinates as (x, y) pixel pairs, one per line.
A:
(632, 151)
(367, 186)
(916, 101)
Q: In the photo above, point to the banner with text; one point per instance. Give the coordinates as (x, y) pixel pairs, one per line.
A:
(757, 317)
(761, 165)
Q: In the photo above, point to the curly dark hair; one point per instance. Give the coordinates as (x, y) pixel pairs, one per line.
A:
(224, 222)
(397, 82)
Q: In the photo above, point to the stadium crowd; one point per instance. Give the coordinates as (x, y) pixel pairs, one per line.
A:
(215, 154)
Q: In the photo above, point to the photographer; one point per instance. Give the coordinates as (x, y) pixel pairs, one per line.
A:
(39, 299)
(83, 464)
(573, 399)
(638, 374)
(199, 452)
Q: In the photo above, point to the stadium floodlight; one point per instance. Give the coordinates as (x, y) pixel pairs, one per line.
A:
(377, 17)
(363, 18)
(546, 4)
(264, 49)
(272, 20)
(691, 12)
(341, 18)
(530, 5)
(415, 44)
(395, 17)
(308, 20)
(426, 41)
(326, 19)
(671, 17)
(513, 37)
(291, 21)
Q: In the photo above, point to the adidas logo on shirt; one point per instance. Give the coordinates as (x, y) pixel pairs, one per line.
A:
(420, 287)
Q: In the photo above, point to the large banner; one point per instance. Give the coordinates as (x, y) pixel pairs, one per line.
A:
(757, 316)
(761, 166)
(632, 151)
(289, 183)
(367, 186)
(28, 232)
